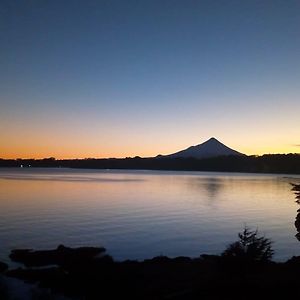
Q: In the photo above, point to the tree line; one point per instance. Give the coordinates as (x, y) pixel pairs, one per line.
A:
(268, 163)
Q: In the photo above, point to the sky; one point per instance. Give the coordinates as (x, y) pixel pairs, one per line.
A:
(123, 78)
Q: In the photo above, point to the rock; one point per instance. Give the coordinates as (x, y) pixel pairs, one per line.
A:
(60, 256)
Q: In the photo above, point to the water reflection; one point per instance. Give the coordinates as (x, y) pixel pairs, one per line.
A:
(212, 186)
(139, 214)
(66, 178)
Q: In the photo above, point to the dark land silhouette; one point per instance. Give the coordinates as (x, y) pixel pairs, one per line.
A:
(210, 148)
(243, 271)
(269, 163)
(211, 155)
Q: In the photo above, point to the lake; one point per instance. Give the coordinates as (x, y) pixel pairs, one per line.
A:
(141, 214)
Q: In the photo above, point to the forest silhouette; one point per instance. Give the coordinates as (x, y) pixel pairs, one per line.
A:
(269, 163)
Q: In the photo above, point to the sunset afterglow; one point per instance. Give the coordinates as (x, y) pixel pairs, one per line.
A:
(120, 78)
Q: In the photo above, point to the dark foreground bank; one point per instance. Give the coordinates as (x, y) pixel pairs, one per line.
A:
(243, 271)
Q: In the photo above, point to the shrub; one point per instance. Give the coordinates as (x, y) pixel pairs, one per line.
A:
(250, 247)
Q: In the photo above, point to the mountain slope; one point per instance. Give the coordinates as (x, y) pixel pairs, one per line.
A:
(210, 148)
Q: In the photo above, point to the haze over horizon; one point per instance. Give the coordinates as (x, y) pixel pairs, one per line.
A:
(124, 78)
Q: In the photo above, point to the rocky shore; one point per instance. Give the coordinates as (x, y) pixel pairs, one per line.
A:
(89, 273)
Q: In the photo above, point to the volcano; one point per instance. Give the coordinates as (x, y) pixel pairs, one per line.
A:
(210, 148)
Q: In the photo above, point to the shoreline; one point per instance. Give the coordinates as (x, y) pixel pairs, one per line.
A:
(290, 176)
(89, 273)
(268, 163)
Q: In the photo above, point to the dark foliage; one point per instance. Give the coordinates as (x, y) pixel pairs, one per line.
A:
(250, 247)
(296, 190)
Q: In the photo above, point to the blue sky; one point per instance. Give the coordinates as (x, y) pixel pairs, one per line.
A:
(125, 78)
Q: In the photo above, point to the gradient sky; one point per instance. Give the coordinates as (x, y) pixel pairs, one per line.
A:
(125, 78)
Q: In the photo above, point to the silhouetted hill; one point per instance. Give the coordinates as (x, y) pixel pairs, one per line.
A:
(210, 148)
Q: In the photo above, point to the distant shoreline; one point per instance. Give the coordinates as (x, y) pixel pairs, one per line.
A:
(145, 171)
(268, 164)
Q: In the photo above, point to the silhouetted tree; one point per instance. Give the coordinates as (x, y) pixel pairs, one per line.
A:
(250, 247)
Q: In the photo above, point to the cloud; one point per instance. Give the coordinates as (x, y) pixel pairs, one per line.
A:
(296, 145)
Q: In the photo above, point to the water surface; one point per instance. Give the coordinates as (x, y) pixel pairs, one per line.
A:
(141, 214)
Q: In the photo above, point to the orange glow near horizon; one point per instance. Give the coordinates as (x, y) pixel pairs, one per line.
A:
(73, 152)
(70, 137)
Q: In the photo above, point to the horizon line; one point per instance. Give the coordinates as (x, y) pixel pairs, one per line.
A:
(134, 157)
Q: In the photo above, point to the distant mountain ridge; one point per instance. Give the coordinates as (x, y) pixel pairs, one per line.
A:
(210, 148)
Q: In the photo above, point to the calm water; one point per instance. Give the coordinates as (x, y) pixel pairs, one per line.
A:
(141, 214)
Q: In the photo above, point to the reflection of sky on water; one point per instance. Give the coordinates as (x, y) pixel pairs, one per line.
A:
(140, 214)
(65, 178)
(213, 187)
(207, 187)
